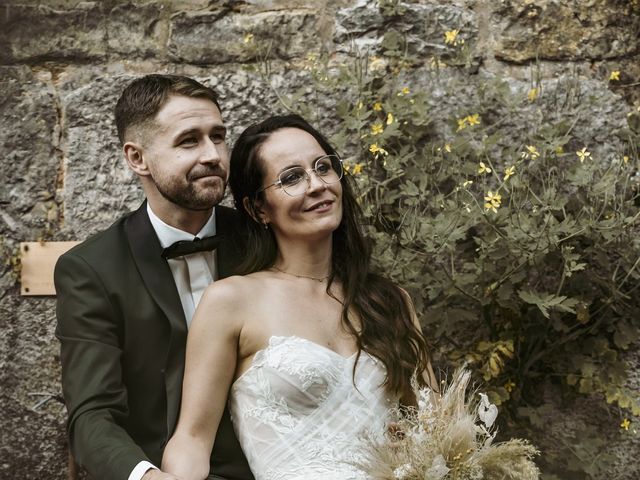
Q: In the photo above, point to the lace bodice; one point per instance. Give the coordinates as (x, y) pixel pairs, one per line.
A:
(298, 414)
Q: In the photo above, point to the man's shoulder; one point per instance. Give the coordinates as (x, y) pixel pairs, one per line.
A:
(102, 242)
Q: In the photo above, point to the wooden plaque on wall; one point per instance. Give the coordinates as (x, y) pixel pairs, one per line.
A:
(37, 261)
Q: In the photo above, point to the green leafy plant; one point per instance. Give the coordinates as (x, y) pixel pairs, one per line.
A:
(515, 231)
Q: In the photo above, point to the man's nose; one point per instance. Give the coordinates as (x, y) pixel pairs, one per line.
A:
(210, 153)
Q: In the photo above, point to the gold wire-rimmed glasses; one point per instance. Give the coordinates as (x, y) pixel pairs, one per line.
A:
(327, 168)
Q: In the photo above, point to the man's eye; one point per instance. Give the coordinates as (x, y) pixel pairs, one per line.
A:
(188, 141)
(292, 177)
(217, 138)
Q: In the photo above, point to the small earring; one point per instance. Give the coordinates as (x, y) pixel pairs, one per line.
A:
(266, 225)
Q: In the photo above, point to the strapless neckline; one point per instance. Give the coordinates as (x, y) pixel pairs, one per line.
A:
(278, 339)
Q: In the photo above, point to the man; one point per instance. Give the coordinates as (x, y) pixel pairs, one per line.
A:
(126, 296)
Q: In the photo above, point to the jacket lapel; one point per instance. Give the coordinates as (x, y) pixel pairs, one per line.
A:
(156, 274)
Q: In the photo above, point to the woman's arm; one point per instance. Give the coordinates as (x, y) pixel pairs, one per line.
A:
(210, 364)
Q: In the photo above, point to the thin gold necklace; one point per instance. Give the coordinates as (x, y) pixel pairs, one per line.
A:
(317, 279)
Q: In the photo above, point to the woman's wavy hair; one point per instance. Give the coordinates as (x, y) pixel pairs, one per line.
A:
(387, 329)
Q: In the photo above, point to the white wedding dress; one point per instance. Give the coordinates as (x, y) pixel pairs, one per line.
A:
(299, 416)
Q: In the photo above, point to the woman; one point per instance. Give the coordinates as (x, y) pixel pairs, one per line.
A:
(311, 346)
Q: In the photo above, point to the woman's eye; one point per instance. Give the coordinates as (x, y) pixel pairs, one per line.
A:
(291, 177)
(323, 168)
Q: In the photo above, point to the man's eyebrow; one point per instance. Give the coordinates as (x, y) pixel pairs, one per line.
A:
(197, 131)
(219, 129)
(188, 131)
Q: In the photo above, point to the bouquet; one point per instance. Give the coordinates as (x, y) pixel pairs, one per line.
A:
(447, 438)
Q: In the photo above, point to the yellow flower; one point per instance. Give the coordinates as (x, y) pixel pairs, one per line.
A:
(447, 148)
(530, 152)
(450, 37)
(389, 118)
(468, 121)
(509, 386)
(615, 75)
(559, 149)
(376, 150)
(533, 94)
(404, 91)
(360, 105)
(377, 128)
(357, 169)
(583, 154)
(626, 423)
(466, 183)
(377, 107)
(509, 172)
(312, 62)
(493, 201)
(248, 38)
(483, 168)
(625, 159)
(473, 119)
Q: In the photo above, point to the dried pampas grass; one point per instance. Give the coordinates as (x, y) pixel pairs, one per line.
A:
(448, 438)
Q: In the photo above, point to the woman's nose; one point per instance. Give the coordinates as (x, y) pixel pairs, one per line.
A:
(315, 182)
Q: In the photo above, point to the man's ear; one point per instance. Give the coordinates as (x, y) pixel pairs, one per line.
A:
(135, 158)
(254, 209)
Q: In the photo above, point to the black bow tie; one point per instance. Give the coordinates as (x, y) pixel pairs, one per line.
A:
(186, 247)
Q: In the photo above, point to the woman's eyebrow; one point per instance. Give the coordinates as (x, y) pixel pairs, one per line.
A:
(293, 165)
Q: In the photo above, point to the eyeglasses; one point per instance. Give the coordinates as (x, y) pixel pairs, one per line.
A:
(327, 168)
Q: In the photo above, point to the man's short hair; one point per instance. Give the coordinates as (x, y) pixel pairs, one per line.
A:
(144, 97)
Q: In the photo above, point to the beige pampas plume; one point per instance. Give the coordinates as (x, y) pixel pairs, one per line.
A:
(447, 437)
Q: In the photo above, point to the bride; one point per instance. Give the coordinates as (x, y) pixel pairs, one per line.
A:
(310, 348)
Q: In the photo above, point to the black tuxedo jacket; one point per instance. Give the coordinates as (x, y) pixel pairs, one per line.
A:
(123, 333)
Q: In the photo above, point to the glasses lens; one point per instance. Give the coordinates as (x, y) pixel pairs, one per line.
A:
(329, 168)
(293, 181)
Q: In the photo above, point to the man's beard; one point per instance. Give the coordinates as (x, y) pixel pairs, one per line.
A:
(187, 196)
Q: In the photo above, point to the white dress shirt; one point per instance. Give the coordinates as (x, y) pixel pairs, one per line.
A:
(192, 273)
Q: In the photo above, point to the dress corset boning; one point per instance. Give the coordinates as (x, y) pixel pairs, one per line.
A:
(299, 415)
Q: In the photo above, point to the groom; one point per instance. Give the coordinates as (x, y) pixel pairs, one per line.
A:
(127, 295)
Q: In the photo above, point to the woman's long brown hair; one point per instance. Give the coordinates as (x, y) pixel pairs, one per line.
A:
(386, 328)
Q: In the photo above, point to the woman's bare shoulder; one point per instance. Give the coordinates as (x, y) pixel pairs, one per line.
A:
(227, 304)
(237, 290)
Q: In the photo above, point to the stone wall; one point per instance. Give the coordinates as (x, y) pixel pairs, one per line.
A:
(63, 64)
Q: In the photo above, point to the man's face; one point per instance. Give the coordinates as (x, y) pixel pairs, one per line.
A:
(186, 153)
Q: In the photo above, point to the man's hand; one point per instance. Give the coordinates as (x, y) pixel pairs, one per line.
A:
(155, 474)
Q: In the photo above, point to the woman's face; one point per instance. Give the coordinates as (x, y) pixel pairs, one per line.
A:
(317, 211)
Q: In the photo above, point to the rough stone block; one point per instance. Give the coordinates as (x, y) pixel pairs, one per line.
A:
(33, 421)
(98, 185)
(420, 29)
(220, 37)
(29, 139)
(137, 30)
(565, 30)
(37, 33)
